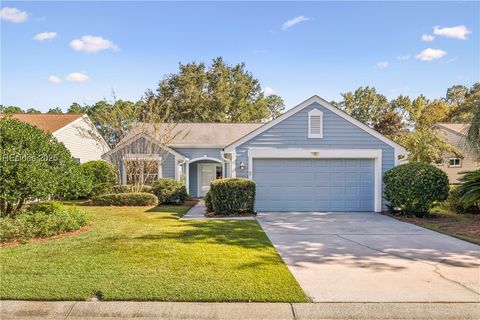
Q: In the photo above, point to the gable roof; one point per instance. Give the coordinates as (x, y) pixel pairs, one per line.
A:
(316, 99)
(49, 122)
(458, 128)
(213, 135)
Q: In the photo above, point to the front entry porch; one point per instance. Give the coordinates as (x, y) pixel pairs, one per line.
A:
(201, 173)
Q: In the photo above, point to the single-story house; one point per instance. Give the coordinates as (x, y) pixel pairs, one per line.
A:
(75, 131)
(454, 134)
(314, 157)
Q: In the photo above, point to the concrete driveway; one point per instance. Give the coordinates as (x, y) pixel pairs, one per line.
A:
(368, 257)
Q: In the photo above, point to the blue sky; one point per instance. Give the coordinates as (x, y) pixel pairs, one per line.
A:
(294, 49)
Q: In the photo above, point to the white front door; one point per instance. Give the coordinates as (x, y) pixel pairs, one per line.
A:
(206, 174)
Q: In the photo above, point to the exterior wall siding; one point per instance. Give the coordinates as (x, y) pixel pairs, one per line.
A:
(338, 133)
(76, 139)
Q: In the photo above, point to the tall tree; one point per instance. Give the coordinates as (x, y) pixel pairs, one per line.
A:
(55, 110)
(215, 93)
(77, 108)
(473, 134)
(10, 109)
(425, 146)
(275, 106)
(365, 105)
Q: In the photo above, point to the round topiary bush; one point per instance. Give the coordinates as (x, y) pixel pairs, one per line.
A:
(413, 188)
(100, 171)
(231, 196)
(126, 199)
(169, 191)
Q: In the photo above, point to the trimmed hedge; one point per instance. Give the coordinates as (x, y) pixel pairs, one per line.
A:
(413, 188)
(129, 188)
(126, 199)
(231, 195)
(101, 189)
(169, 191)
(42, 220)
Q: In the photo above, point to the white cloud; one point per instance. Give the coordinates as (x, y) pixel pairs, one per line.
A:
(428, 37)
(77, 77)
(268, 91)
(54, 79)
(404, 57)
(45, 36)
(382, 64)
(458, 32)
(13, 15)
(430, 54)
(290, 23)
(91, 44)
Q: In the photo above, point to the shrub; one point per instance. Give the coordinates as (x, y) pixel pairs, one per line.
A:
(100, 171)
(415, 187)
(208, 202)
(232, 195)
(41, 220)
(455, 204)
(470, 189)
(101, 189)
(126, 199)
(34, 165)
(170, 191)
(129, 188)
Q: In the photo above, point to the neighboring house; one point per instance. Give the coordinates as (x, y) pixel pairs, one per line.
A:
(75, 131)
(454, 134)
(314, 157)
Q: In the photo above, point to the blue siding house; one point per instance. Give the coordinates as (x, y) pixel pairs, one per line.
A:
(314, 157)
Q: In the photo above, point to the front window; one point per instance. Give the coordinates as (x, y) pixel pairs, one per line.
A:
(141, 171)
(454, 162)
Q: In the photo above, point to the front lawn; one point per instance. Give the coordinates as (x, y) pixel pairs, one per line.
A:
(462, 226)
(149, 254)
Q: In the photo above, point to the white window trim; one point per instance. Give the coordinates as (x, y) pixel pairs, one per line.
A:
(287, 153)
(455, 166)
(315, 112)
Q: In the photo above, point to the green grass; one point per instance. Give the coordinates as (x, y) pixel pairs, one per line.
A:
(149, 254)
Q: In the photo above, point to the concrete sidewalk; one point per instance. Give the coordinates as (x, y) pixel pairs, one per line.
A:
(263, 311)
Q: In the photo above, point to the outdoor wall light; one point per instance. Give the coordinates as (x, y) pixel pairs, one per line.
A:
(242, 165)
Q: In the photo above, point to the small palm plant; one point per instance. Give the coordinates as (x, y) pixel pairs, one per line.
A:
(470, 188)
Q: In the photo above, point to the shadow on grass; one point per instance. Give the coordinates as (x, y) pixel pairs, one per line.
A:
(246, 234)
(176, 211)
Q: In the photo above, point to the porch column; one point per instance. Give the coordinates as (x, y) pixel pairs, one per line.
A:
(187, 175)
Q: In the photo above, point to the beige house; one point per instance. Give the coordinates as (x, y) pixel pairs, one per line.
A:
(454, 133)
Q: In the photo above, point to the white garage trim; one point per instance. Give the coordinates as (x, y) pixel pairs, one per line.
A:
(272, 153)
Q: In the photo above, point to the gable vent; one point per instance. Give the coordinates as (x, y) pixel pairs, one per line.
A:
(315, 124)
